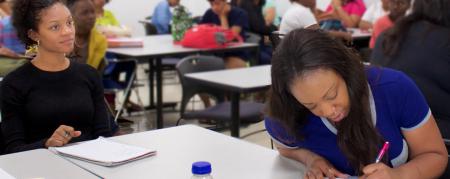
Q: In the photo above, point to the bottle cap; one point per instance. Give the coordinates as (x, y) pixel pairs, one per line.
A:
(201, 168)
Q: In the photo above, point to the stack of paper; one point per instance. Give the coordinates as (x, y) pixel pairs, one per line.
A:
(104, 152)
(125, 42)
(5, 175)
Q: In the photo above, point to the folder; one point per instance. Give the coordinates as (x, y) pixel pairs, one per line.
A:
(125, 42)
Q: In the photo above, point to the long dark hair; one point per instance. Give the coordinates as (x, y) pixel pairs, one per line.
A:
(436, 12)
(305, 50)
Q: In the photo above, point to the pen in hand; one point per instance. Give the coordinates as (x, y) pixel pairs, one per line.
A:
(382, 151)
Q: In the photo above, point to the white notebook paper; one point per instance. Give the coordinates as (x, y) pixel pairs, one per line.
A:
(104, 152)
(5, 175)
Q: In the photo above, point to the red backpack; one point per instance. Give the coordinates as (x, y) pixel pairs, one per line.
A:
(207, 36)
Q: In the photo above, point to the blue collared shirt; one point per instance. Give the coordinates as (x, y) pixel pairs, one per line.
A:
(161, 17)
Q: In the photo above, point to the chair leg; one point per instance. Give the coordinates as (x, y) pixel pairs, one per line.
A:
(178, 122)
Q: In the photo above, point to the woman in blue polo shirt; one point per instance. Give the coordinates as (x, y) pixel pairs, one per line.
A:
(333, 114)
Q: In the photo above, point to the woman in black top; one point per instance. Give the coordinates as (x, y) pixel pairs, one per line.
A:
(50, 101)
(419, 45)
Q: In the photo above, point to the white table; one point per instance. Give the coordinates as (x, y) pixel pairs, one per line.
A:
(359, 34)
(41, 163)
(236, 81)
(158, 46)
(178, 147)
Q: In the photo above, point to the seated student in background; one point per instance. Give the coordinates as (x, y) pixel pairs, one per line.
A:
(397, 9)
(12, 51)
(257, 25)
(229, 17)
(333, 114)
(349, 12)
(418, 45)
(5, 8)
(373, 13)
(90, 45)
(107, 23)
(51, 100)
(162, 15)
(270, 13)
(300, 16)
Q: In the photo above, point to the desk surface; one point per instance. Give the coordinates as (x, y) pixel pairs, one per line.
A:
(240, 80)
(41, 163)
(178, 147)
(359, 34)
(160, 45)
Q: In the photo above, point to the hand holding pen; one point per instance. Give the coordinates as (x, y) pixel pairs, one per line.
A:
(379, 169)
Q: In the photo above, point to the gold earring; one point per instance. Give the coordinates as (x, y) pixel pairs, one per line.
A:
(33, 49)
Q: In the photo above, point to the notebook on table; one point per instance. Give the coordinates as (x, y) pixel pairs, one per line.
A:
(104, 152)
(125, 42)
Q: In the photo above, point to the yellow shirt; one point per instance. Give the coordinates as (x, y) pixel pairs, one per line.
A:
(97, 48)
(107, 19)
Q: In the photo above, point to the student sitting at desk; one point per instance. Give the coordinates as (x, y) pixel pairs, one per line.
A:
(373, 13)
(419, 45)
(90, 45)
(107, 23)
(11, 49)
(162, 15)
(51, 100)
(333, 114)
(229, 17)
(397, 9)
(349, 12)
(300, 15)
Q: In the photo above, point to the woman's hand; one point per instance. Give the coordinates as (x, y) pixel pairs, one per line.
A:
(62, 135)
(336, 3)
(378, 170)
(320, 168)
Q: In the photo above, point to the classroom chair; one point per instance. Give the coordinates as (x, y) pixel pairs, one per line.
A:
(250, 112)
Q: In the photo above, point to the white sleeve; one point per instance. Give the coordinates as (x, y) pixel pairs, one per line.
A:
(369, 14)
(294, 19)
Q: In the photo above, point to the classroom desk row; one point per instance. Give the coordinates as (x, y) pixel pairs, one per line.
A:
(156, 48)
(177, 148)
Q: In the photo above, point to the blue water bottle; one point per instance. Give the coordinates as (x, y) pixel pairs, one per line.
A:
(201, 170)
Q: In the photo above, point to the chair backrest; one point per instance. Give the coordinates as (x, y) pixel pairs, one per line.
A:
(150, 28)
(197, 63)
(275, 38)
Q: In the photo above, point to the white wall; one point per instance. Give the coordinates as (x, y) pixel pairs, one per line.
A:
(128, 12)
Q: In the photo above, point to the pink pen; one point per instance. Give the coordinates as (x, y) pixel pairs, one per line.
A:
(382, 151)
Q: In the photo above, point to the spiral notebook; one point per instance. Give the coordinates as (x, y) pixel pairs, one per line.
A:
(104, 152)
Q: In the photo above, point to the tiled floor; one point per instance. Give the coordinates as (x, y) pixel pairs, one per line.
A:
(144, 121)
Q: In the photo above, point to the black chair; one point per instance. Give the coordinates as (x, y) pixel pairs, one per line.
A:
(250, 112)
(112, 84)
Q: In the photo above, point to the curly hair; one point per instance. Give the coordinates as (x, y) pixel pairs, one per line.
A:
(26, 16)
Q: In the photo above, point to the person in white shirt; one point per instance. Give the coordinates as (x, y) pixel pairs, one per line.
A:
(298, 16)
(301, 16)
(375, 11)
